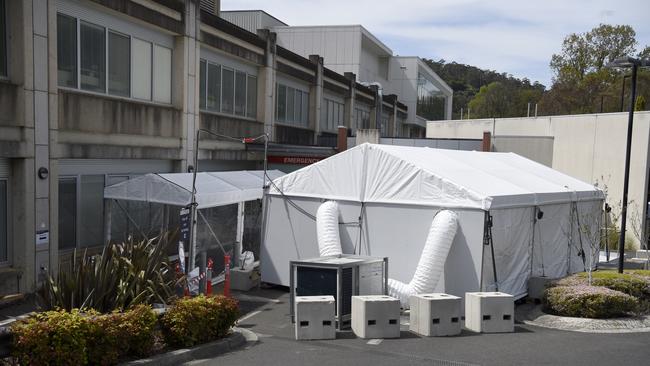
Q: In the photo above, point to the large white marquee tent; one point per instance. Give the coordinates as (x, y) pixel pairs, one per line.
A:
(545, 223)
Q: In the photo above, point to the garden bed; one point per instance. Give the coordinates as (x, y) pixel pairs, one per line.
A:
(610, 295)
(61, 337)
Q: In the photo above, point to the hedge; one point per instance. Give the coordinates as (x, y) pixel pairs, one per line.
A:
(60, 337)
(589, 302)
(633, 283)
(197, 320)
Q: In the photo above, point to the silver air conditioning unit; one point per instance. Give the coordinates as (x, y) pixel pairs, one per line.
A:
(341, 276)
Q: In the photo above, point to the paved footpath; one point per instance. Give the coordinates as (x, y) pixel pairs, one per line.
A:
(529, 345)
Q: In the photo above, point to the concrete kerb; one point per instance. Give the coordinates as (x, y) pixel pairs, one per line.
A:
(531, 314)
(237, 339)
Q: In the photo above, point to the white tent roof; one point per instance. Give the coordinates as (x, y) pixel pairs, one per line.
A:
(434, 177)
(212, 188)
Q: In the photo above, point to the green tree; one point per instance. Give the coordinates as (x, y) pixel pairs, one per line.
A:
(582, 83)
(583, 53)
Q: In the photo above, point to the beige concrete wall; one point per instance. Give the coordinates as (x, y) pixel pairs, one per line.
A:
(590, 147)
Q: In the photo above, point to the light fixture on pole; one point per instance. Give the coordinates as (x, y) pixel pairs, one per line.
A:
(634, 64)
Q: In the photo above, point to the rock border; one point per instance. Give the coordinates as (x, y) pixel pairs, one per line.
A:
(237, 339)
(532, 314)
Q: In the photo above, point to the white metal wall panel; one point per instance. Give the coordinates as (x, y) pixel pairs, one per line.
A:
(249, 20)
(105, 17)
(5, 168)
(109, 166)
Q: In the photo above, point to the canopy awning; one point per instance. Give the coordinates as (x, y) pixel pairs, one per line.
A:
(212, 188)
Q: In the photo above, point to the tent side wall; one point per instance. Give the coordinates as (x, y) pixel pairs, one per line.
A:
(396, 231)
(550, 247)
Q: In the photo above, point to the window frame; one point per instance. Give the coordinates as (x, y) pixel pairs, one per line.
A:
(300, 110)
(77, 207)
(105, 93)
(203, 102)
(8, 262)
(108, 88)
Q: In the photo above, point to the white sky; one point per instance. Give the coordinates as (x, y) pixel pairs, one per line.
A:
(511, 36)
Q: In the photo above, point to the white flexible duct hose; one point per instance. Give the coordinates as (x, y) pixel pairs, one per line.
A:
(432, 262)
(327, 229)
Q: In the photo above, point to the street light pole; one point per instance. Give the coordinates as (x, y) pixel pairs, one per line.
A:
(626, 181)
(634, 64)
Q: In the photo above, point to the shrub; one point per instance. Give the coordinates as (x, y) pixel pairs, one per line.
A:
(74, 338)
(118, 334)
(588, 302)
(197, 320)
(627, 283)
(51, 338)
(123, 275)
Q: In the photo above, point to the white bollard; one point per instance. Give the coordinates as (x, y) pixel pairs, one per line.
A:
(375, 316)
(489, 312)
(435, 315)
(315, 317)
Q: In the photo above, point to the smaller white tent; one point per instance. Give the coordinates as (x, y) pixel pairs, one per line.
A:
(388, 196)
(212, 188)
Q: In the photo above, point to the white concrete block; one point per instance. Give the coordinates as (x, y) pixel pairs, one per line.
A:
(315, 317)
(243, 279)
(435, 315)
(489, 312)
(375, 316)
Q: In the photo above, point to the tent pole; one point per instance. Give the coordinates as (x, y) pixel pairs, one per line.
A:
(239, 241)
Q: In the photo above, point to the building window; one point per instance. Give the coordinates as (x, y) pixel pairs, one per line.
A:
(362, 118)
(4, 220)
(66, 29)
(81, 211)
(227, 90)
(92, 58)
(214, 87)
(3, 40)
(98, 59)
(119, 64)
(332, 115)
(141, 69)
(431, 100)
(292, 106)
(240, 93)
(162, 74)
(384, 125)
(281, 104)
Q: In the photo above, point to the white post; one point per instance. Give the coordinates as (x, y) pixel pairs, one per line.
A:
(528, 113)
(240, 233)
